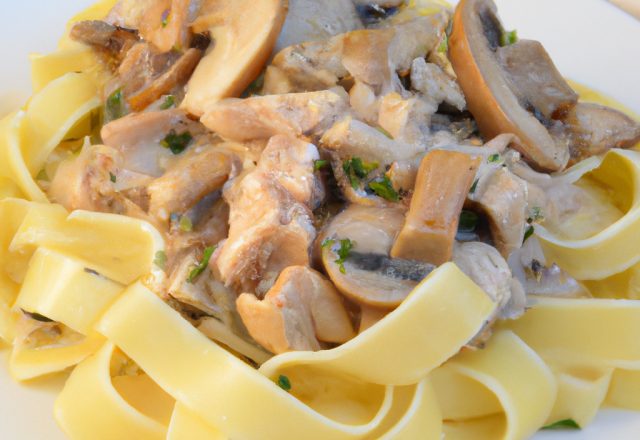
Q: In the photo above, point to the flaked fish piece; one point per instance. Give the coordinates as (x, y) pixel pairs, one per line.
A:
(430, 80)
(271, 218)
(262, 117)
(302, 310)
(409, 119)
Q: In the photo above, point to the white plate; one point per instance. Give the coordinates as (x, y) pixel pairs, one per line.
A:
(590, 41)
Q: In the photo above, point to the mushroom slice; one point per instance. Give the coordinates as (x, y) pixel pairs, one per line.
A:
(407, 119)
(165, 83)
(262, 117)
(355, 250)
(271, 218)
(202, 171)
(490, 95)
(139, 138)
(484, 265)
(313, 20)
(301, 309)
(245, 33)
(165, 23)
(111, 42)
(443, 182)
(502, 197)
(594, 129)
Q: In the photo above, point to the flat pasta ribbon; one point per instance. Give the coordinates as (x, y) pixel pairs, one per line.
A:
(517, 376)
(620, 242)
(413, 340)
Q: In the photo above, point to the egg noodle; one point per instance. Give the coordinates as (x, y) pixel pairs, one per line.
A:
(143, 372)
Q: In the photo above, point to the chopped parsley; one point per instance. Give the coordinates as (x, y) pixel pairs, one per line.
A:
(445, 43)
(327, 242)
(493, 158)
(468, 221)
(357, 168)
(37, 316)
(319, 164)
(535, 215)
(384, 132)
(169, 102)
(42, 175)
(529, 232)
(474, 186)
(284, 383)
(112, 177)
(383, 188)
(160, 259)
(345, 247)
(563, 424)
(508, 38)
(185, 224)
(177, 143)
(115, 107)
(206, 256)
(166, 17)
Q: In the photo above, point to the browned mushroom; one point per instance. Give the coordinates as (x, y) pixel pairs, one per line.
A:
(245, 33)
(492, 98)
(443, 182)
(301, 309)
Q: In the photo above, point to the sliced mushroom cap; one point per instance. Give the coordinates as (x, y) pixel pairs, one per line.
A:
(370, 276)
(301, 309)
(497, 106)
(594, 129)
(442, 185)
(245, 33)
(262, 117)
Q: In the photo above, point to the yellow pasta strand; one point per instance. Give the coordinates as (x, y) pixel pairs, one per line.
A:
(27, 363)
(617, 247)
(9, 190)
(623, 285)
(46, 68)
(63, 290)
(117, 247)
(414, 339)
(521, 381)
(624, 391)
(213, 383)
(89, 407)
(599, 330)
(185, 424)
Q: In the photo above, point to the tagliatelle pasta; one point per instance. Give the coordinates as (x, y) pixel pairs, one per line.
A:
(143, 317)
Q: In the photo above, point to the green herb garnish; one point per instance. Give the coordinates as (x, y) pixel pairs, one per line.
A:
(185, 224)
(169, 102)
(468, 221)
(384, 189)
(361, 168)
(563, 424)
(160, 259)
(284, 383)
(445, 43)
(535, 215)
(166, 17)
(384, 132)
(508, 38)
(177, 143)
(493, 158)
(112, 177)
(319, 164)
(327, 242)
(528, 233)
(206, 256)
(42, 175)
(115, 107)
(345, 247)
(474, 186)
